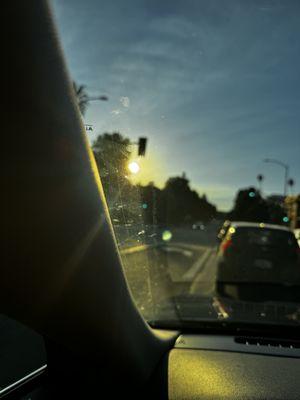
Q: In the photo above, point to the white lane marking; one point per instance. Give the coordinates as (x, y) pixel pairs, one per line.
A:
(190, 275)
(204, 282)
(188, 246)
(186, 249)
(135, 249)
(174, 249)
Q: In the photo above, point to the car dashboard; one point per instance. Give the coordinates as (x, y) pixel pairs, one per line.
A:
(226, 367)
(208, 367)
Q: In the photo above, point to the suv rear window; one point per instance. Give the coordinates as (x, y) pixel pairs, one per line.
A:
(265, 237)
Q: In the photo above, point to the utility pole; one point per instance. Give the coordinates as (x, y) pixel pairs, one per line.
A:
(286, 172)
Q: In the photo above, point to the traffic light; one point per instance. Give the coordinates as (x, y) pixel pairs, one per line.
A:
(142, 146)
(251, 194)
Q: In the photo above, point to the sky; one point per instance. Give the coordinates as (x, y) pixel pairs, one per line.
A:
(214, 85)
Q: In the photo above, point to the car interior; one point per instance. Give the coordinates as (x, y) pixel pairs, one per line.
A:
(70, 326)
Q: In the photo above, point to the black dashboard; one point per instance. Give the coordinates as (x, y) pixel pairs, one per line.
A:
(208, 367)
(224, 367)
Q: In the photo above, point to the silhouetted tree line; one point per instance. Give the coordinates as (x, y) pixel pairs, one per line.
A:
(250, 206)
(174, 204)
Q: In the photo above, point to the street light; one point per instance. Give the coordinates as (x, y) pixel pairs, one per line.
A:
(286, 171)
(102, 98)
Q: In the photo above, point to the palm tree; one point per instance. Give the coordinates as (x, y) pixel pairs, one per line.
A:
(260, 179)
(81, 96)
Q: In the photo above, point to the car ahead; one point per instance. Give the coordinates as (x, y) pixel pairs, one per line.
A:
(297, 235)
(223, 230)
(198, 226)
(257, 255)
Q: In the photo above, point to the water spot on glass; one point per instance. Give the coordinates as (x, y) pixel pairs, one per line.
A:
(125, 101)
(116, 112)
(166, 236)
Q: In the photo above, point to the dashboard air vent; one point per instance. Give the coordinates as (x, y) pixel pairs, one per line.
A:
(258, 341)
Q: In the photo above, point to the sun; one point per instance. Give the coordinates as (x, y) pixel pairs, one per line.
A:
(134, 167)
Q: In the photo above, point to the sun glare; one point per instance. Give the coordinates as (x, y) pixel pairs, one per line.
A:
(133, 167)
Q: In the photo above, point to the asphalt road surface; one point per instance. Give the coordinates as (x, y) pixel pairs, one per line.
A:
(184, 264)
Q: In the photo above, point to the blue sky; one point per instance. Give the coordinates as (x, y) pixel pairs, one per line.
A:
(214, 85)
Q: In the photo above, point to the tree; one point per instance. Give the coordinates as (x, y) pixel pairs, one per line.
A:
(112, 153)
(175, 204)
(177, 200)
(184, 205)
(250, 206)
(260, 179)
(152, 203)
(81, 97)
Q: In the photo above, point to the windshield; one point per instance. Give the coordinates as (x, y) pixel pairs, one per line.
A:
(191, 109)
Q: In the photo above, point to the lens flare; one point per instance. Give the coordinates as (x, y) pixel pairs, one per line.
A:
(166, 236)
(134, 167)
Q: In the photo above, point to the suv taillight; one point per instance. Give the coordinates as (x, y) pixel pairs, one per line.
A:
(226, 245)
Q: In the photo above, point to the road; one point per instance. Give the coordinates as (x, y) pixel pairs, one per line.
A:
(156, 269)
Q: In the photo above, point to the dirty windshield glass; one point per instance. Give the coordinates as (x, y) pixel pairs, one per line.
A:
(191, 109)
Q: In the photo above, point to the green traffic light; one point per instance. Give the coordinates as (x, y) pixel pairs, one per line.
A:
(285, 219)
